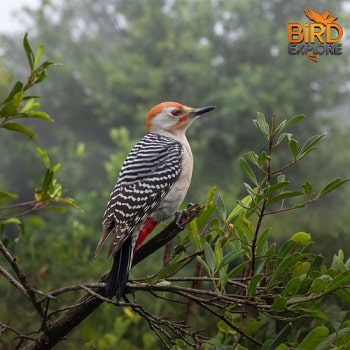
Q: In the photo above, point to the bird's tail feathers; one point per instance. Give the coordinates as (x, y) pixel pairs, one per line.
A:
(105, 233)
(118, 276)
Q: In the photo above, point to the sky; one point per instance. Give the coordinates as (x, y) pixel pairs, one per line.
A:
(8, 22)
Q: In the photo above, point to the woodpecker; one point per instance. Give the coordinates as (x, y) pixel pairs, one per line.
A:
(152, 183)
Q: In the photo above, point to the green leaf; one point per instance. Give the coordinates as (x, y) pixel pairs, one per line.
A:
(247, 170)
(285, 195)
(55, 189)
(253, 326)
(221, 206)
(282, 137)
(44, 157)
(238, 209)
(339, 281)
(331, 186)
(262, 125)
(262, 159)
(193, 235)
(233, 245)
(218, 254)
(285, 124)
(204, 264)
(223, 277)
(301, 268)
(301, 237)
(31, 104)
(292, 287)
(38, 115)
(49, 64)
(209, 257)
(205, 215)
(307, 186)
(20, 128)
(10, 108)
(236, 270)
(318, 285)
(279, 304)
(210, 196)
(276, 187)
(313, 338)
(242, 234)
(56, 167)
(294, 120)
(293, 147)
(70, 202)
(17, 88)
(281, 178)
(253, 157)
(282, 347)
(261, 245)
(4, 196)
(253, 284)
(29, 52)
(168, 270)
(38, 54)
(8, 221)
(285, 265)
(41, 76)
(309, 145)
(48, 180)
(338, 262)
(229, 257)
(286, 248)
(223, 327)
(270, 253)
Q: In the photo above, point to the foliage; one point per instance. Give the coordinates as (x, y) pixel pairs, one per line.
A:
(120, 58)
(13, 107)
(224, 265)
(16, 106)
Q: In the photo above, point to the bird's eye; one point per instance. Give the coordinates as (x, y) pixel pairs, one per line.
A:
(176, 112)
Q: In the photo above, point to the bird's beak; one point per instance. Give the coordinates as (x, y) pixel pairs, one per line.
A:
(198, 111)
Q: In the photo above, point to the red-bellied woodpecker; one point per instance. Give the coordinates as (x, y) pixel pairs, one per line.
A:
(152, 183)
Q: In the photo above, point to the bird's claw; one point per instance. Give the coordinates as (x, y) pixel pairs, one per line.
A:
(178, 216)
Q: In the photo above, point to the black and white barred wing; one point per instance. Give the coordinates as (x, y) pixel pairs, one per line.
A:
(148, 173)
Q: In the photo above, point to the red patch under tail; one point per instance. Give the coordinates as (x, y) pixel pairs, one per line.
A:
(146, 228)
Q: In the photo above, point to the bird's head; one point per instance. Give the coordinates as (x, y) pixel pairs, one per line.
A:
(172, 117)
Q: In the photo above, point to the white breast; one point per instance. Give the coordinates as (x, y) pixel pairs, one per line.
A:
(177, 193)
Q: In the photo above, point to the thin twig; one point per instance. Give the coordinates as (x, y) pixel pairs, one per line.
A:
(230, 324)
(13, 281)
(22, 278)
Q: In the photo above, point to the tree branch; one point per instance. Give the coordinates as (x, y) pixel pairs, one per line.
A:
(59, 328)
(26, 287)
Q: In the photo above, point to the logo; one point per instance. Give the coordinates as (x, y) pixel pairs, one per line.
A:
(319, 38)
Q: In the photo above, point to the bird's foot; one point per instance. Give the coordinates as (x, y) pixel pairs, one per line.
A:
(179, 215)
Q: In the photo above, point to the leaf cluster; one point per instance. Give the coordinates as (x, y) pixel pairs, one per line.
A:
(18, 104)
(21, 105)
(240, 270)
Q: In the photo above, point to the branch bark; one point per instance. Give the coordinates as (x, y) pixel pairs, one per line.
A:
(58, 329)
